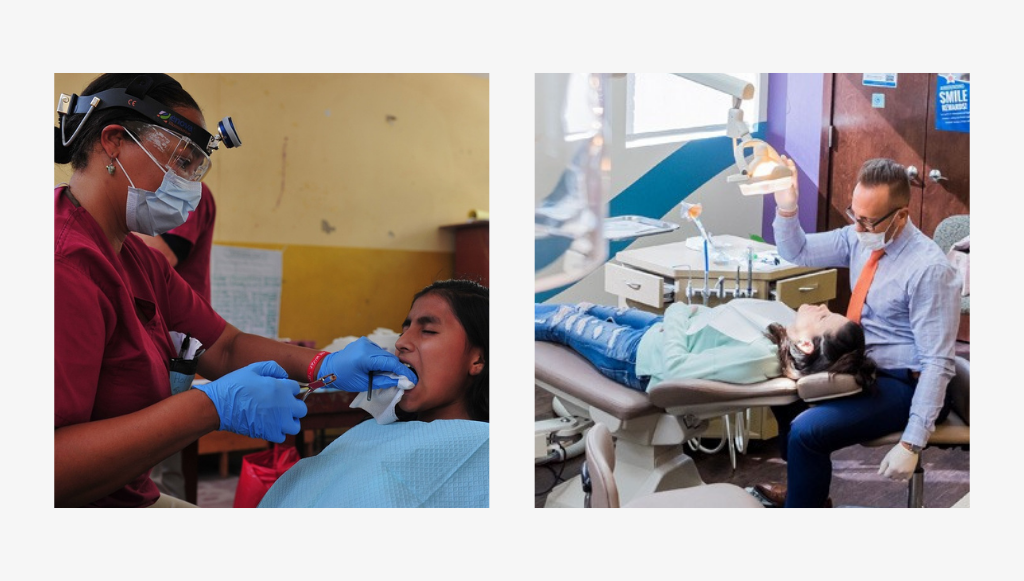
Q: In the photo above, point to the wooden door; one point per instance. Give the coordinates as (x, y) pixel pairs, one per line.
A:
(899, 123)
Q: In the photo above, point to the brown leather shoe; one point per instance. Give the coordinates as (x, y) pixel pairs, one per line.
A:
(772, 492)
(776, 494)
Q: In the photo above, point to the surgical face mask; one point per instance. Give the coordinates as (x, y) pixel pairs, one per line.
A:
(875, 240)
(154, 213)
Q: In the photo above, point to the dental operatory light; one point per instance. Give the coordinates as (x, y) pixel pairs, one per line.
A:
(766, 172)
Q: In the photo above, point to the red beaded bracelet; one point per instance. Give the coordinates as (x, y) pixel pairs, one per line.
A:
(311, 372)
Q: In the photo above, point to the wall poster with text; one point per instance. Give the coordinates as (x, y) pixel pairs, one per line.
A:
(953, 102)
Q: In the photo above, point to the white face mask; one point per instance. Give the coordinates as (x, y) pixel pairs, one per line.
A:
(154, 213)
(875, 240)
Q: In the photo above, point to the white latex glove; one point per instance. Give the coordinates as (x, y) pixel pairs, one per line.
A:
(786, 199)
(899, 463)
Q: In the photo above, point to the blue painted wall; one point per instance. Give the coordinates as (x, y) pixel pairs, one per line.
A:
(672, 180)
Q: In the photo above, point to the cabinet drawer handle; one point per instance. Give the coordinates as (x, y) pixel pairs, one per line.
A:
(633, 285)
(807, 289)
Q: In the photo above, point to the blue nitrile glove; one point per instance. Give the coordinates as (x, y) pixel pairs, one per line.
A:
(258, 401)
(354, 363)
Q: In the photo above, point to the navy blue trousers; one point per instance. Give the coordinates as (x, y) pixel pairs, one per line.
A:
(809, 434)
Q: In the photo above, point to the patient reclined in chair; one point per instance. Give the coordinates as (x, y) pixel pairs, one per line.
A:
(743, 341)
(656, 381)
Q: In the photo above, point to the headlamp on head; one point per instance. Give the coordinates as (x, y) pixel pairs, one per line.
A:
(134, 97)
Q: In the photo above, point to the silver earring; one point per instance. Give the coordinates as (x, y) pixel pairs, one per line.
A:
(110, 167)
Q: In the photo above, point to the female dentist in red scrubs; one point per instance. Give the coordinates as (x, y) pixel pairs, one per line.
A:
(139, 148)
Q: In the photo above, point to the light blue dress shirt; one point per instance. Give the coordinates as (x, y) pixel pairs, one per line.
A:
(911, 313)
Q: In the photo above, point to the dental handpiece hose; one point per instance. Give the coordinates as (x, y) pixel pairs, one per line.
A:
(704, 233)
(750, 271)
(706, 271)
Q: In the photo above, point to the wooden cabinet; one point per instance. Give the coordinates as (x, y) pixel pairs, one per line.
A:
(652, 278)
(221, 443)
(472, 250)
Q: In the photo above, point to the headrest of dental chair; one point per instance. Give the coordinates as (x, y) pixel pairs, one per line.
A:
(822, 386)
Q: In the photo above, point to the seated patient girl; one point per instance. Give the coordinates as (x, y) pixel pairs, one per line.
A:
(742, 341)
(436, 455)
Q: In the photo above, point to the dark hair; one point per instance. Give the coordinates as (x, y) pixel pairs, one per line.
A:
(470, 305)
(843, 351)
(882, 171)
(165, 89)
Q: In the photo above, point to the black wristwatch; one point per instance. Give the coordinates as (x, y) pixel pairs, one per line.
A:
(913, 448)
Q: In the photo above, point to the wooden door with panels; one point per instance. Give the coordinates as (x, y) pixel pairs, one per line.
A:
(899, 121)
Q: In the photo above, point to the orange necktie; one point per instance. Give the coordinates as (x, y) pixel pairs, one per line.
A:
(860, 292)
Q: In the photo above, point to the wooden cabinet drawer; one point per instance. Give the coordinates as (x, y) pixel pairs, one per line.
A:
(642, 287)
(817, 287)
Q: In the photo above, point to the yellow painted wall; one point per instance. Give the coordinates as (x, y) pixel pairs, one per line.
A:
(350, 174)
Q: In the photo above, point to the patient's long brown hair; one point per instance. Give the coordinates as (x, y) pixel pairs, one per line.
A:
(843, 351)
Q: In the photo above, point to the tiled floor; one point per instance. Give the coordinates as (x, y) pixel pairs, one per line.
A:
(216, 492)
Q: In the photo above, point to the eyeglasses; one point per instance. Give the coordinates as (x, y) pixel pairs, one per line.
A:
(868, 225)
(171, 151)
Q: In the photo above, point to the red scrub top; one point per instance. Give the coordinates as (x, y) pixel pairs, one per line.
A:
(198, 230)
(112, 317)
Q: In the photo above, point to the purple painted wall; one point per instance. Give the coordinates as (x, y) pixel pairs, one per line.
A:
(794, 129)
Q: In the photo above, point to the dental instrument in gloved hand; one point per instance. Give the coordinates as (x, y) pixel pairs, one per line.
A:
(258, 401)
(353, 366)
(322, 382)
(383, 408)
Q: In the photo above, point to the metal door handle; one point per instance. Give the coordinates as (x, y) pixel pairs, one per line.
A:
(807, 289)
(912, 173)
(633, 285)
(935, 175)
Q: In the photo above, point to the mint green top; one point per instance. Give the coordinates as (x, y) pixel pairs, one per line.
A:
(724, 343)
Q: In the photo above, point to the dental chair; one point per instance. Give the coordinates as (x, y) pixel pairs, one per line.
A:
(601, 491)
(953, 432)
(651, 428)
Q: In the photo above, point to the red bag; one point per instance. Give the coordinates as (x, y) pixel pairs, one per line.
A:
(260, 470)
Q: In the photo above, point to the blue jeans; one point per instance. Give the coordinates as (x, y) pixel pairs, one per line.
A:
(606, 336)
(809, 435)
